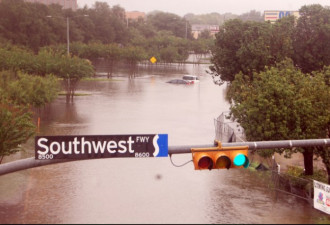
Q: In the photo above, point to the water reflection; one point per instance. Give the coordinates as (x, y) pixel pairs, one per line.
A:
(61, 117)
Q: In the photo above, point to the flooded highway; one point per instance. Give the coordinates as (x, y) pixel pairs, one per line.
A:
(142, 190)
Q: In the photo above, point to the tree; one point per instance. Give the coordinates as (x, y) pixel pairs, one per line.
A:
(224, 59)
(16, 127)
(15, 26)
(18, 92)
(253, 15)
(28, 90)
(69, 68)
(281, 46)
(282, 103)
(254, 52)
(112, 54)
(169, 54)
(142, 27)
(210, 18)
(205, 34)
(162, 21)
(28, 24)
(132, 55)
(201, 46)
(240, 47)
(248, 47)
(324, 152)
(312, 38)
(109, 23)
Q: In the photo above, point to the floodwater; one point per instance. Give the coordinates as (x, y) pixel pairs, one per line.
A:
(142, 190)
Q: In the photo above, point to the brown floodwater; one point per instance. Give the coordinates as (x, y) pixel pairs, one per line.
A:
(143, 190)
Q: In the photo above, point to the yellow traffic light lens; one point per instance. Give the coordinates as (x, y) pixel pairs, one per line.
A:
(223, 162)
(205, 163)
(241, 160)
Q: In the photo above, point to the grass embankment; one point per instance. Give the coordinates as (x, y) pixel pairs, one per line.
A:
(296, 171)
(298, 179)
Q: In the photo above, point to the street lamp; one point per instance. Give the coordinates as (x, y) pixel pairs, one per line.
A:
(67, 29)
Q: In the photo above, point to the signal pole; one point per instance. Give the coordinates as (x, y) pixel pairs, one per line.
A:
(32, 162)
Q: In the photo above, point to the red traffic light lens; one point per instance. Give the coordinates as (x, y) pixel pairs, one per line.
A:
(205, 163)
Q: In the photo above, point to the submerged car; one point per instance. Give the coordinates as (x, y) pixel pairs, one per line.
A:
(191, 78)
(178, 81)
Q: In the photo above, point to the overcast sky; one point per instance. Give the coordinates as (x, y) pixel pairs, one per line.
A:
(182, 7)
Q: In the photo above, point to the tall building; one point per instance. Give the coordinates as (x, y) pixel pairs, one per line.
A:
(274, 15)
(67, 4)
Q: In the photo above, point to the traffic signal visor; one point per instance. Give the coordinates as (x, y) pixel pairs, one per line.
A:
(220, 157)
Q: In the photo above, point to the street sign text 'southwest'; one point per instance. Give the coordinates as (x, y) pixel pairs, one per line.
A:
(101, 146)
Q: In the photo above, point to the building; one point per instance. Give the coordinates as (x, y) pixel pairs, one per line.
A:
(134, 15)
(66, 4)
(197, 29)
(274, 15)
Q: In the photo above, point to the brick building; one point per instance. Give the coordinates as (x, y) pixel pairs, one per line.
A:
(134, 15)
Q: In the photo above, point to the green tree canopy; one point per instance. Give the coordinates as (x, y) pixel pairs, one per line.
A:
(16, 127)
(282, 103)
(162, 21)
(248, 47)
(253, 15)
(18, 92)
(312, 38)
(24, 89)
(241, 47)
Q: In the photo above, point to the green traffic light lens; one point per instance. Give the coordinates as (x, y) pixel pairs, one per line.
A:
(240, 160)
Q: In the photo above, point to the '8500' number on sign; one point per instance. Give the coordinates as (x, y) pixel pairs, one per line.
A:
(45, 156)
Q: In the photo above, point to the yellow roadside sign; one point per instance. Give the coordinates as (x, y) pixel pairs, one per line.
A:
(153, 59)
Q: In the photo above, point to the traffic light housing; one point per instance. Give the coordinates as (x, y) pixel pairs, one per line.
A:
(220, 157)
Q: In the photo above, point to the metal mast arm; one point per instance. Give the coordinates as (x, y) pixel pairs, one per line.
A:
(32, 162)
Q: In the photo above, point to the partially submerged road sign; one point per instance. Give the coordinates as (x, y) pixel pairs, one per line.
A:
(101, 146)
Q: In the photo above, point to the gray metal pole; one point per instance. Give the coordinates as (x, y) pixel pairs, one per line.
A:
(68, 35)
(256, 145)
(32, 162)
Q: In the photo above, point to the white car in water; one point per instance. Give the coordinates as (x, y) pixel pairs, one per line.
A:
(191, 78)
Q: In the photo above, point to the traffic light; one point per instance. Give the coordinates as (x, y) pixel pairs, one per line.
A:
(220, 157)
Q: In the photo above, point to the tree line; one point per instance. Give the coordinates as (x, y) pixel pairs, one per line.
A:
(219, 19)
(35, 25)
(279, 79)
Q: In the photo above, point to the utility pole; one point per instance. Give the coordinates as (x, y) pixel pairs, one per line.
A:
(67, 29)
(68, 35)
(186, 29)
